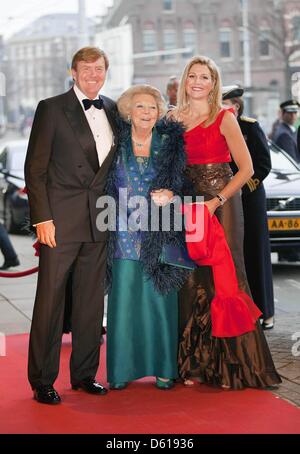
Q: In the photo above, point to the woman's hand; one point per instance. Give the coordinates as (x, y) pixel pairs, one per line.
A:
(212, 205)
(162, 197)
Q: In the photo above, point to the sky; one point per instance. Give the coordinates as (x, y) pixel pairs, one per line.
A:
(16, 14)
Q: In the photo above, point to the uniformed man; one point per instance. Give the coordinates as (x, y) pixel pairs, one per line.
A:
(256, 234)
(285, 135)
(286, 138)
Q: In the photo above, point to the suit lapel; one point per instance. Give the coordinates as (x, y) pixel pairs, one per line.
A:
(111, 119)
(106, 163)
(81, 129)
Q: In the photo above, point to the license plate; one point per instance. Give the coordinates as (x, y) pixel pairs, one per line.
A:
(284, 223)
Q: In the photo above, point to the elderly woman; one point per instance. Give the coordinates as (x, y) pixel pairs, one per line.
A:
(142, 302)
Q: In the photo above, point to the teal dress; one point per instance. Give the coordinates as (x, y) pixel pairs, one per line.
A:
(142, 324)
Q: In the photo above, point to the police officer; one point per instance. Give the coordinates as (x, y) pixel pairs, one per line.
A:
(285, 135)
(286, 138)
(256, 235)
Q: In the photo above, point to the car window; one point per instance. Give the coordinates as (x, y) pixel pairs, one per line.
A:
(281, 162)
(18, 159)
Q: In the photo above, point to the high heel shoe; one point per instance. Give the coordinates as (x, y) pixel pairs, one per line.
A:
(118, 386)
(161, 384)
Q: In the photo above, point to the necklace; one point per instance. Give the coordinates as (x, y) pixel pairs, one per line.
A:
(141, 144)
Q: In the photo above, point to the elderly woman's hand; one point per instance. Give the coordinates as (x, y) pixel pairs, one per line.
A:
(162, 197)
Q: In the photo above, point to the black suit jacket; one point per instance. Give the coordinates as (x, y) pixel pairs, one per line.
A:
(62, 174)
(286, 139)
(259, 150)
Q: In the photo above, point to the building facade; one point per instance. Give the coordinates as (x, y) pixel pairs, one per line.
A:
(166, 33)
(37, 62)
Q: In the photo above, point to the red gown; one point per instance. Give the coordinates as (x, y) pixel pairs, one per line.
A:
(239, 361)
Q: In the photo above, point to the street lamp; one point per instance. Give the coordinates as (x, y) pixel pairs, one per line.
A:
(247, 58)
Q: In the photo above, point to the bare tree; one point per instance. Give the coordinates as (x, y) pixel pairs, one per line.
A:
(282, 33)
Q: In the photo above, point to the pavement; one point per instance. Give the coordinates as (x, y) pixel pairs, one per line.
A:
(17, 296)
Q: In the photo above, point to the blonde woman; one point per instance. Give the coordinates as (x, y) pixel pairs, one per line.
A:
(212, 136)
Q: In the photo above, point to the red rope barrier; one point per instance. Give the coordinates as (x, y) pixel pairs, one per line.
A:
(20, 273)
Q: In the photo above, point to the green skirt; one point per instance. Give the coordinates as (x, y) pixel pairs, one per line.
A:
(142, 327)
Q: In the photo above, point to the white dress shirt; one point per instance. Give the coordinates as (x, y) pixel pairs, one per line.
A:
(99, 125)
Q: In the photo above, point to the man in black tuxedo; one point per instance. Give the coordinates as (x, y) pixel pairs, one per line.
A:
(70, 151)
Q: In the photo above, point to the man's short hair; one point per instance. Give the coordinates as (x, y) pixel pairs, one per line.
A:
(89, 55)
(172, 81)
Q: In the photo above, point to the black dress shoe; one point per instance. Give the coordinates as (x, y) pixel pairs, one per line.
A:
(9, 263)
(46, 394)
(266, 326)
(90, 386)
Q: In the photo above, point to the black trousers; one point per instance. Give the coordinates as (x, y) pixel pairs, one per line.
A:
(88, 262)
(5, 245)
(257, 251)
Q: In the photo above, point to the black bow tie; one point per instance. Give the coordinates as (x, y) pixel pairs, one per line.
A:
(87, 103)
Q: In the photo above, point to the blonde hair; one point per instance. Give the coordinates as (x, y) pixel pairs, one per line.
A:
(215, 94)
(124, 103)
(89, 55)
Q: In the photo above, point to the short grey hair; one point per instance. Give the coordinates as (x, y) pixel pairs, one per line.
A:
(124, 103)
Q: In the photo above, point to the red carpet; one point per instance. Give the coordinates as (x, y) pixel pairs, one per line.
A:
(141, 408)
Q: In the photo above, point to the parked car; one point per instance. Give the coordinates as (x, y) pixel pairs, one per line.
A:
(283, 201)
(14, 209)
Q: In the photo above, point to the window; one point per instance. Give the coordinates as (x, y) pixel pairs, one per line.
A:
(29, 51)
(47, 49)
(12, 52)
(169, 37)
(225, 43)
(189, 38)
(20, 54)
(30, 72)
(149, 37)
(21, 71)
(296, 28)
(149, 40)
(18, 155)
(38, 50)
(168, 5)
(264, 43)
